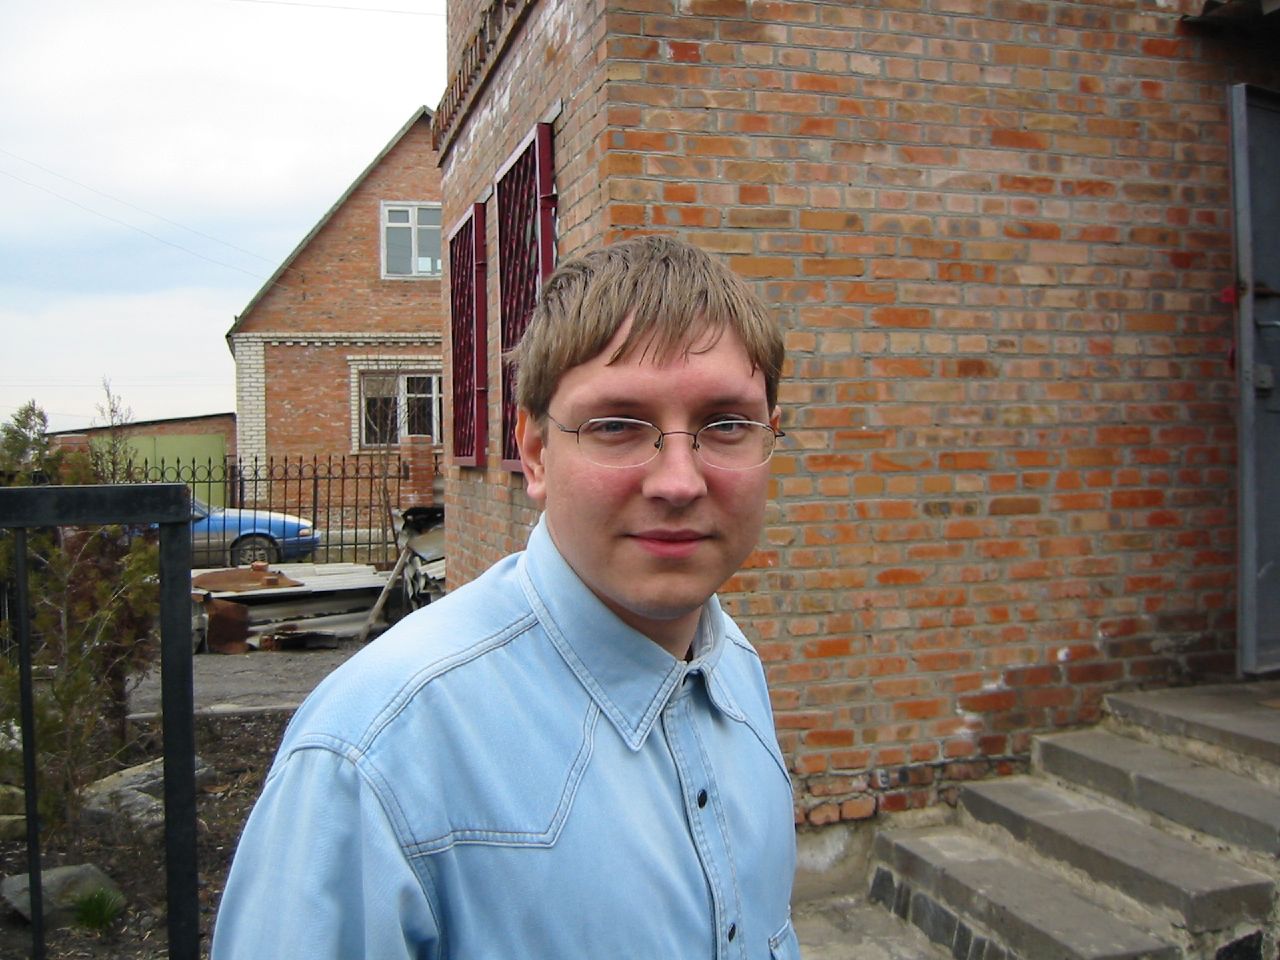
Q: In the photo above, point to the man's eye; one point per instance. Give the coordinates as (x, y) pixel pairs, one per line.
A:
(614, 430)
(727, 429)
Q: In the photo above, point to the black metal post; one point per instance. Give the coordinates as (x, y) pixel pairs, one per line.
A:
(178, 711)
(35, 888)
(169, 506)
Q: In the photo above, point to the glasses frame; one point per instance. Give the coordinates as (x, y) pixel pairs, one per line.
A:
(662, 436)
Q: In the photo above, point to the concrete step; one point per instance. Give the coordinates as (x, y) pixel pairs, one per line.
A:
(1206, 892)
(1196, 795)
(954, 885)
(1243, 718)
(844, 927)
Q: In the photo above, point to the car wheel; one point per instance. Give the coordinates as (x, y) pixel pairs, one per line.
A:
(251, 549)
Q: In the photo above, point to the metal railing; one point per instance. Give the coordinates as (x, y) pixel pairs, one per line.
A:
(168, 506)
(347, 499)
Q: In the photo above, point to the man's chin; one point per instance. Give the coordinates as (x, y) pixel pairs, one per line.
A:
(644, 613)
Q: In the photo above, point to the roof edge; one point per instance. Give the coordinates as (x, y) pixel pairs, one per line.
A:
(418, 114)
(132, 424)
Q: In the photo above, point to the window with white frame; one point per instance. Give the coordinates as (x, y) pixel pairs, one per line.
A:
(394, 405)
(411, 240)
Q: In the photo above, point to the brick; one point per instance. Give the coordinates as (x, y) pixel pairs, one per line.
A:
(913, 317)
(1010, 506)
(994, 231)
(830, 220)
(1020, 139)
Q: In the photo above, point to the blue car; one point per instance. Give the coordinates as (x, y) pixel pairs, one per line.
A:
(239, 537)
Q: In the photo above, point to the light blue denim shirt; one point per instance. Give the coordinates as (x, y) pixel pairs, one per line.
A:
(512, 772)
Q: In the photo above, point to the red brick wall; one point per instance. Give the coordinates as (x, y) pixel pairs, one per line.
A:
(309, 398)
(996, 232)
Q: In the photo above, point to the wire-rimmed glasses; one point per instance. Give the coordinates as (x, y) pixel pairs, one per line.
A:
(727, 444)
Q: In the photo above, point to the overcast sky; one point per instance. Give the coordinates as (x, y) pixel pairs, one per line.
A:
(159, 159)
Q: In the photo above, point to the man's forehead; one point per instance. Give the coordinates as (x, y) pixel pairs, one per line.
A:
(656, 342)
(720, 382)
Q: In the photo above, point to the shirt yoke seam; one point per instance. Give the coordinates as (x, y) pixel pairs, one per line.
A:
(413, 685)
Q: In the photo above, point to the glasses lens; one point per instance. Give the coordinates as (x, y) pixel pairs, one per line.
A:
(735, 444)
(618, 441)
(725, 444)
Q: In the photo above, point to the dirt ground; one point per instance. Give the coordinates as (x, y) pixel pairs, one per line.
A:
(242, 704)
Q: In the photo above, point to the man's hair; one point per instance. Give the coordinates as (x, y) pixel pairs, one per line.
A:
(680, 299)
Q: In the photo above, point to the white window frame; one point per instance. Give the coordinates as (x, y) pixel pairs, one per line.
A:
(401, 369)
(412, 206)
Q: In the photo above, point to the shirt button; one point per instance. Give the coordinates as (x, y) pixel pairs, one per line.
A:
(733, 930)
(702, 799)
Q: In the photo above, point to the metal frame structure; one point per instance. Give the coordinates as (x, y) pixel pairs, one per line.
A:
(526, 198)
(468, 275)
(1255, 130)
(168, 506)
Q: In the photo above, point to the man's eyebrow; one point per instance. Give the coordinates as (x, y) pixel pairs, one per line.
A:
(631, 403)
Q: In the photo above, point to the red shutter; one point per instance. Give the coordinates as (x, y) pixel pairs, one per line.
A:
(526, 255)
(469, 331)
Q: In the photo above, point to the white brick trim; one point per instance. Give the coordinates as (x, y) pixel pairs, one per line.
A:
(423, 339)
(251, 399)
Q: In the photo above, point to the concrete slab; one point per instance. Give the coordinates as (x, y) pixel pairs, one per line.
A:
(1244, 717)
(851, 928)
(1196, 795)
(1152, 867)
(277, 680)
(1035, 914)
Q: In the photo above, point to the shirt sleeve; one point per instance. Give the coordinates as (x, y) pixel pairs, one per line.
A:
(319, 873)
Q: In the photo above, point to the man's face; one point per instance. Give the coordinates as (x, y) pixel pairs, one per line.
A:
(655, 541)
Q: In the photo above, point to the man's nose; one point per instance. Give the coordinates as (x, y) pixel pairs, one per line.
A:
(675, 474)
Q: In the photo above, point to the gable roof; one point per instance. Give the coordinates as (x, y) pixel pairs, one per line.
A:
(419, 114)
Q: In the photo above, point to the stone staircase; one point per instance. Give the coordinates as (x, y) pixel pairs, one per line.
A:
(1154, 836)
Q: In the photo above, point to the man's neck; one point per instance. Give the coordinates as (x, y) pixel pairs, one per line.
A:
(674, 636)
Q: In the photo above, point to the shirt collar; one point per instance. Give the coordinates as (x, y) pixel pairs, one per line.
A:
(629, 676)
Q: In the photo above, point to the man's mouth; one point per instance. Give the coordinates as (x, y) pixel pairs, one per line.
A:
(672, 544)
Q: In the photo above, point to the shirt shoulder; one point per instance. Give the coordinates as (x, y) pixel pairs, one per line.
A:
(351, 707)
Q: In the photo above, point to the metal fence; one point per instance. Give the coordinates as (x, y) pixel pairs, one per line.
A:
(347, 499)
(168, 506)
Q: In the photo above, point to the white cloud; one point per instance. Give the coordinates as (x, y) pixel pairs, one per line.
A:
(205, 102)
(137, 134)
(164, 354)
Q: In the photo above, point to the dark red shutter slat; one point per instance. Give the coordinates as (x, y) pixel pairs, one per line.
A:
(468, 329)
(526, 250)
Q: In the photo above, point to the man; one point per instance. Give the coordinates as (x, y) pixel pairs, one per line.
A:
(572, 756)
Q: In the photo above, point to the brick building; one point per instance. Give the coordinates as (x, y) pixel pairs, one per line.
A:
(339, 354)
(997, 233)
(211, 436)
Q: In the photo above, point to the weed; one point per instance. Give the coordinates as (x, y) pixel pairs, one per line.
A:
(98, 910)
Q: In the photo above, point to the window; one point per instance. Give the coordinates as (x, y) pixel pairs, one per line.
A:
(468, 319)
(526, 201)
(396, 405)
(411, 240)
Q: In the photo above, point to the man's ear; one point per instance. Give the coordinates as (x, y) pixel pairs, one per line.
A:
(775, 418)
(531, 442)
